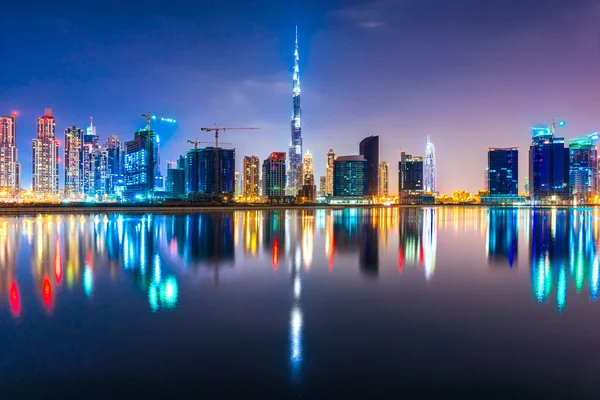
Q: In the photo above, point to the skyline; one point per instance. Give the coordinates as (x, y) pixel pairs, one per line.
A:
(478, 76)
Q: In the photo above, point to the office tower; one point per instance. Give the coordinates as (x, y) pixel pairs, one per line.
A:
(299, 177)
(329, 173)
(114, 166)
(429, 172)
(10, 178)
(583, 167)
(309, 189)
(383, 179)
(548, 164)
(350, 176)
(274, 175)
(159, 181)
(410, 175)
(91, 143)
(503, 171)
(207, 175)
(527, 186)
(295, 150)
(45, 157)
(238, 184)
(369, 149)
(175, 179)
(323, 185)
(251, 177)
(181, 162)
(99, 180)
(192, 162)
(74, 165)
(140, 165)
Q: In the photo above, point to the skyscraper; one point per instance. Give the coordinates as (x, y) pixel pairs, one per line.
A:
(74, 164)
(295, 150)
(114, 166)
(10, 180)
(583, 167)
(350, 176)
(45, 157)
(410, 175)
(369, 149)
(383, 179)
(140, 165)
(175, 180)
(323, 185)
(503, 171)
(251, 177)
(273, 175)
(548, 164)
(429, 172)
(329, 173)
(309, 189)
(91, 143)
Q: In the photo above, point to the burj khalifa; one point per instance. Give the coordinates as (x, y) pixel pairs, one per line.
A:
(295, 151)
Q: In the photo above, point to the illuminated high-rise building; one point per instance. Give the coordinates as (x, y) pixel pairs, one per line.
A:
(251, 177)
(295, 150)
(369, 149)
(503, 171)
(91, 143)
(10, 179)
(350, 176)
(175, 185)
(115, 166)
(74, 164)
(548, 164)
(323, 185)
(139, 166)
(274, 176)
(410, 175)
(45, 157)
(429, 172)
(583, 167)
(309, 189)
(383, 189)
(329, 173)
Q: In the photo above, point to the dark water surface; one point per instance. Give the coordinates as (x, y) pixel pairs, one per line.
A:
(341, 303)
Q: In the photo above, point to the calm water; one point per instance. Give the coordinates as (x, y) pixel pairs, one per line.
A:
(301, 303)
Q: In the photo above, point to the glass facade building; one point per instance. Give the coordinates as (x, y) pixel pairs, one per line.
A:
(548, 165)
(503, 171)
(139, 165)
(410, 174)
(274, 175)
(369, 149)
(200, 174)
(251, 177)
(350, 176)
(583, 167)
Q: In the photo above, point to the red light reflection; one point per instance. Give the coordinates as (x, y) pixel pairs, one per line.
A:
(14, 299)
(47, 292)
(275, 258)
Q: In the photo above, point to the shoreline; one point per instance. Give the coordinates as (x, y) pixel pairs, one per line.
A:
(187, 208)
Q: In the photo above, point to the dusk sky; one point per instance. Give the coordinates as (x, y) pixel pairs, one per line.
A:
(472, 74)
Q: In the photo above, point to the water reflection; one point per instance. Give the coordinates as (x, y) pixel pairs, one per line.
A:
(502, 236)
(418, 240)
(563, 254)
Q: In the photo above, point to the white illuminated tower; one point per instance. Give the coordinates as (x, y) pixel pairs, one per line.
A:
(45, 157)
(295, 150)
(429, 172)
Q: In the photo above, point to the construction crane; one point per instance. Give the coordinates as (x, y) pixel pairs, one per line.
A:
(216, 130)
(196, 142)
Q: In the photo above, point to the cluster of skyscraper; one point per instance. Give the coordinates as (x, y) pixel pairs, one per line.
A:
(557, 173)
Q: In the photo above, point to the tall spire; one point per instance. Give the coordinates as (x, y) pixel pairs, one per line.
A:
(295, 150)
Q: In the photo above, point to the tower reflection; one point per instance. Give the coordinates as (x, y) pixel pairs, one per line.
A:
(418, 239)
(563, 253)
(502, 236)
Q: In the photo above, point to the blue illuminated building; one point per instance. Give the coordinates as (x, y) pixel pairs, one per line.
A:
(201, 176)
(583, 167)
(548, 165)
(503, 171)
(350, 176)
(274, 175)
(140, 165)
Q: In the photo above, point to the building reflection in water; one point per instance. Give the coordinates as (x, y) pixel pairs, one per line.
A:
(502, 236)
(563, 253)
(418, 239)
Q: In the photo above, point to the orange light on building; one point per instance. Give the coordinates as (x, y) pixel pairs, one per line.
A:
(14, 299)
